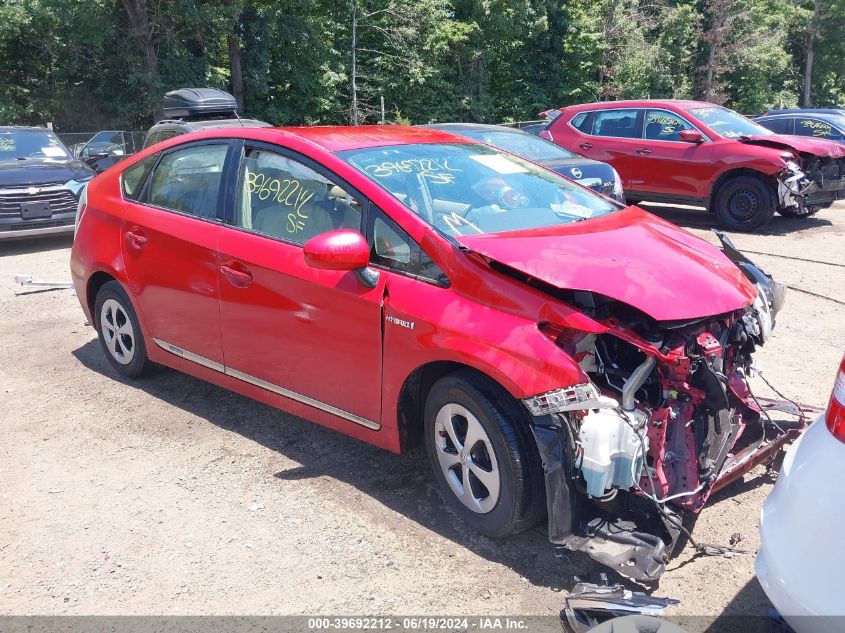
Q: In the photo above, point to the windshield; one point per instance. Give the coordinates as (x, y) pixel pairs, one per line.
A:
(728, 123)
(19, 145)
(520, 143)
(469, 189)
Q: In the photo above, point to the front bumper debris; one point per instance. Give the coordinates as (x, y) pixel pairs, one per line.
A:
(588, 605)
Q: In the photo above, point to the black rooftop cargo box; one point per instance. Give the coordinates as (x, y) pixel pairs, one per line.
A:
(188, 103)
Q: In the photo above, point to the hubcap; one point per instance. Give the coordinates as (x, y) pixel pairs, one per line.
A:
(743, 204)
(466, 457)
(117, 331)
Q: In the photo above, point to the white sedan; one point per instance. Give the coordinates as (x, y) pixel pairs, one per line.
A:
(801, 559)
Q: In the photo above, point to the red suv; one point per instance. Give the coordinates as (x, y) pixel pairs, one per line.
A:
(698, 153)
(551, 348)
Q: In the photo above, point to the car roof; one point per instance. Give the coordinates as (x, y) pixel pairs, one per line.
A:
(24, 128)
(831, 111)
(824, 116)
(207, 124)
(471, 127)
(683, 104)
(340, 138)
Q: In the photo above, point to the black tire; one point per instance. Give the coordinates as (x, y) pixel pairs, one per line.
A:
(521, 500)
(127, 351)
(744, 203)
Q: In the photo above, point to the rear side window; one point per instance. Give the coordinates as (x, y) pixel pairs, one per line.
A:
(133, 178)
(158, 137)
(662, 125)
(583, 122)
(284, 198)
(617, 123)
(393, 248)
(782, 125)
(816, 128)
(188, 180)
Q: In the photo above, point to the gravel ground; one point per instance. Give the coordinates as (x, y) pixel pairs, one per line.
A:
(172, 496)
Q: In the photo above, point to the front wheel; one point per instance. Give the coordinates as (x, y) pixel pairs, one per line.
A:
(485, 463)
(744, 203)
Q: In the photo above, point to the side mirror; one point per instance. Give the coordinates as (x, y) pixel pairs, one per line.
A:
(342, 249)
(690, 136)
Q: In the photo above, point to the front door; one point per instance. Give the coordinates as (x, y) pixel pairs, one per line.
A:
(309, 334)
(668, 166)
(169, 245)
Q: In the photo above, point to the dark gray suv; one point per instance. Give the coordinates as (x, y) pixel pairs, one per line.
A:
(193, 109)
(40, 183)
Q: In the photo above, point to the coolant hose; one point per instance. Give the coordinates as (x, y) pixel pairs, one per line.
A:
(635, 381)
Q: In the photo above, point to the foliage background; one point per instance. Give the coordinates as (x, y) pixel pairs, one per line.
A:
(95, 64)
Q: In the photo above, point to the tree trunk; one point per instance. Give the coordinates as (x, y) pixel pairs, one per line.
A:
(139, 22)
(708, 76)
(236, 74)
(353, 111)
(809, 53)
(609, 38)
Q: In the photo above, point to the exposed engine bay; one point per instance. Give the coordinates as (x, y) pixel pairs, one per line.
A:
(815, 184)
(667, 418)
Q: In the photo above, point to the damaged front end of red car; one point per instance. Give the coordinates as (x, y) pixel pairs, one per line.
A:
(666, 419)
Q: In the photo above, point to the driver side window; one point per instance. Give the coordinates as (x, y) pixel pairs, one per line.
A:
(283, 198)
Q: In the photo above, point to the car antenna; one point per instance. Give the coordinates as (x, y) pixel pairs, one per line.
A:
(237, 116)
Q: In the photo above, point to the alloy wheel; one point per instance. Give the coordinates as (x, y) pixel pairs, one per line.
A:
(467, 458)
(117, 331)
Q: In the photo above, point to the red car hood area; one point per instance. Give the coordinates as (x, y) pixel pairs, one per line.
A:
(802, 144)
(631, 256)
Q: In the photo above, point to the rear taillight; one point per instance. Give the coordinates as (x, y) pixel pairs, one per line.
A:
(836, 409)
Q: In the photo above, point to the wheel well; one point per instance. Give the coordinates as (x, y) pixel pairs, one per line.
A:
(97, 281)
(735, 173)
(414, 392)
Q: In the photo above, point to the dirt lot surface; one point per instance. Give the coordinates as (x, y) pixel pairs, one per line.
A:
(172, 496)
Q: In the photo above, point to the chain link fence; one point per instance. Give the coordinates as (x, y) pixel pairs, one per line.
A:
(106, 141)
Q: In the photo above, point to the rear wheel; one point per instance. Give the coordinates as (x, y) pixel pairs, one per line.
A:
(744, 203)
(484, 461)
(119, 331)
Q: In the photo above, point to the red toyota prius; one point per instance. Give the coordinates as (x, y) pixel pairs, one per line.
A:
(558, 355)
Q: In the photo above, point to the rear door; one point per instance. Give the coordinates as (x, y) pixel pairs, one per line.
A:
(779, 124)
(610, 136)
(308, 334)
(169, 247)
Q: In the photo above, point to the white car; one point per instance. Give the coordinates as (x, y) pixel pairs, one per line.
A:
(801, 559)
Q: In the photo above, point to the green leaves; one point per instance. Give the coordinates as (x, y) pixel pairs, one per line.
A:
(83, 65)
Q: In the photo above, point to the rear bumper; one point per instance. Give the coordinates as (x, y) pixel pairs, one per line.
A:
(800, 561)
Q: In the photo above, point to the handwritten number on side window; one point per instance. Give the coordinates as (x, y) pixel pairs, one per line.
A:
(287, 191)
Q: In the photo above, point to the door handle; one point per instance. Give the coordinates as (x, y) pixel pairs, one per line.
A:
(586, 146)
(643, 151)
(237, 274)
(136, 239)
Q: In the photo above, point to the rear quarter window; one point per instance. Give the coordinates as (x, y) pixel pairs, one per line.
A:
(134, 177)
(583, 122)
